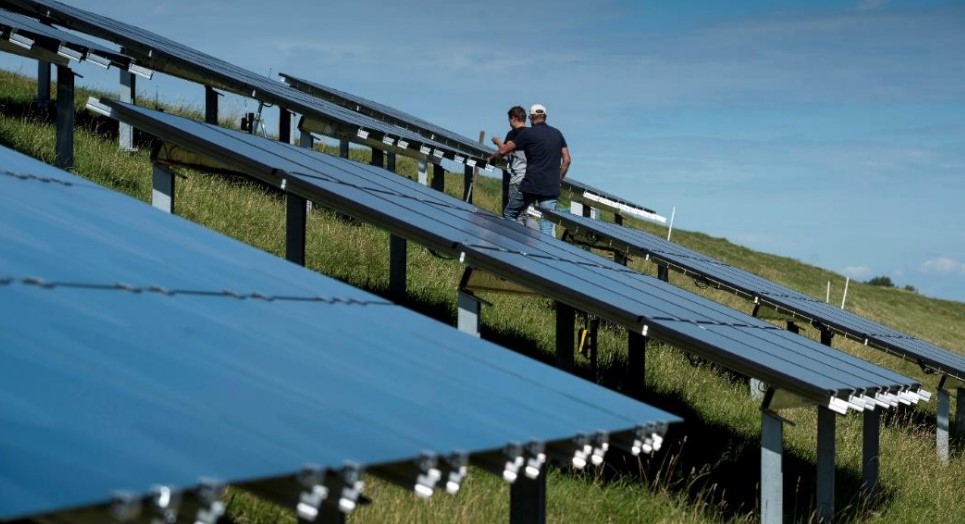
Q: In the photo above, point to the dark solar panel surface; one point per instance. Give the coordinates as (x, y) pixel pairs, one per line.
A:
(393, 116)
(554, 268)
(163, 54)
(140, 349)
(843, 321)
(27, 25)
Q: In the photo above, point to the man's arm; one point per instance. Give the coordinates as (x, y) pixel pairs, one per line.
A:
(507, 147)
(565, 164)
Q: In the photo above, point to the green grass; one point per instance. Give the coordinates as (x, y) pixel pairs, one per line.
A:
(708, 471)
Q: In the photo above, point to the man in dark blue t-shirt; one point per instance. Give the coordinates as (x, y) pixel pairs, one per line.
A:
(547, 161)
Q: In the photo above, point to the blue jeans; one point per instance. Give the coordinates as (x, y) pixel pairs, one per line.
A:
(519, 201)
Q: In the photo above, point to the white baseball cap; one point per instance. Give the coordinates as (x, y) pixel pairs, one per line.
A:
(537, 109)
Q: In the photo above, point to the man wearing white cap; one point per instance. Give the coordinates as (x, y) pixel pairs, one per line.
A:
(547, 161)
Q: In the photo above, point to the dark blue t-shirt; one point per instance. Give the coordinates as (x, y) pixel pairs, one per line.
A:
(543, 146)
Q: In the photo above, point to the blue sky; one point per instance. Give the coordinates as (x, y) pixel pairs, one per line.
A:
(831, 132)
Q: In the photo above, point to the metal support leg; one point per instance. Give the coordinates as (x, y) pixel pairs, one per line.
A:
(210, 105)
(284, 125)
(378, 158)
(565, 317)
(295, 229)
(663, 272)
(941, 430)
(467, 178)
(772, 471)
(504, 190)
(438, 177)
(390, 162)
(636, 380)
(468, 316)
(826, 336)
(871, 450)
(306, 140)
(43, 84)
(128, 92)
(162, 192)
(825, 465)
(619, 258)
(424, 172)
(527, 500)
(793, 327)
(343, 148)
(398, 251)
(757, 388)
(65, 118)
(960, 412)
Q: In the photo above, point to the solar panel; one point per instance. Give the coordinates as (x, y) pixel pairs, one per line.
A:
(764, 291)
(568, 274)
(24, 31)
(392, 116)
(163, 54)
(139, 349)
(593, 197)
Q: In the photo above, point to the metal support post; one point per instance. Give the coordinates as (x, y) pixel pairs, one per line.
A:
(467, 179)
(663, 272)
(772, 471)
(619, 258)
(826, 336)
(65, 118)
(210, 105)
(794, 328)
(343, 148)
(398, 251)
(284, 125)
(390, 162)
(438, 177)
(825, 466)
(162, 192)
(871, 450)
(565, 317)
(295, 228)
(469, 314)
(378, 158)
(587, 211)
(424, 172)
(527, 500)
(960, 412)
(43, 83)
(504, 190)
(941, 429)
(636, 379)
(128, 93)
(306, 140)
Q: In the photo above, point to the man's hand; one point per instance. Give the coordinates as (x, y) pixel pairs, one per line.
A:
(496, 140)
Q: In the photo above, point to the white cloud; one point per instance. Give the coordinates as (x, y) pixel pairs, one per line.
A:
(942, 265)
(857, 271)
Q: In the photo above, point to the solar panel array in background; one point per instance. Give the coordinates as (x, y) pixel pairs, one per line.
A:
(578, 188)
(391, 115)
(769, 292)
(172, 57)
(556, 269)
(141, 349)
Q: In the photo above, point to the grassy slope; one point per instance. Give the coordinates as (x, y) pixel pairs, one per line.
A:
(708, 471)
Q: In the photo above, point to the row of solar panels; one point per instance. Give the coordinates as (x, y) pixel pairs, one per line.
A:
(141, 350)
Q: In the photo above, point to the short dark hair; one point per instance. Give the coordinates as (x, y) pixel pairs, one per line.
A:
(517, 113)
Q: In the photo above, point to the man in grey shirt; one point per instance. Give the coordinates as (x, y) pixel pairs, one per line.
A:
(516, 160)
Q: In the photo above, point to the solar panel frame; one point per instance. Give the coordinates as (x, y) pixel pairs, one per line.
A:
(128, 270)
(496, 245)
(576, 190)
(30, 26)
(770, 293)
(165, 55)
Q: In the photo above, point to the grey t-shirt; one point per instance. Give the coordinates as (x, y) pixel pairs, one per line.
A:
(516, 160)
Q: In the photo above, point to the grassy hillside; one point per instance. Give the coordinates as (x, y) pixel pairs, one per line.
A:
(710, 465)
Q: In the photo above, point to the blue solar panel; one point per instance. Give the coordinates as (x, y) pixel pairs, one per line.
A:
(163, 54)
(392, 116)
(556, 269)
(576, 190)
(140, 349)
(30, 27)
(765, 291)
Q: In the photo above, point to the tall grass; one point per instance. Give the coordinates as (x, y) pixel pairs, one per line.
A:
(709, 469)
